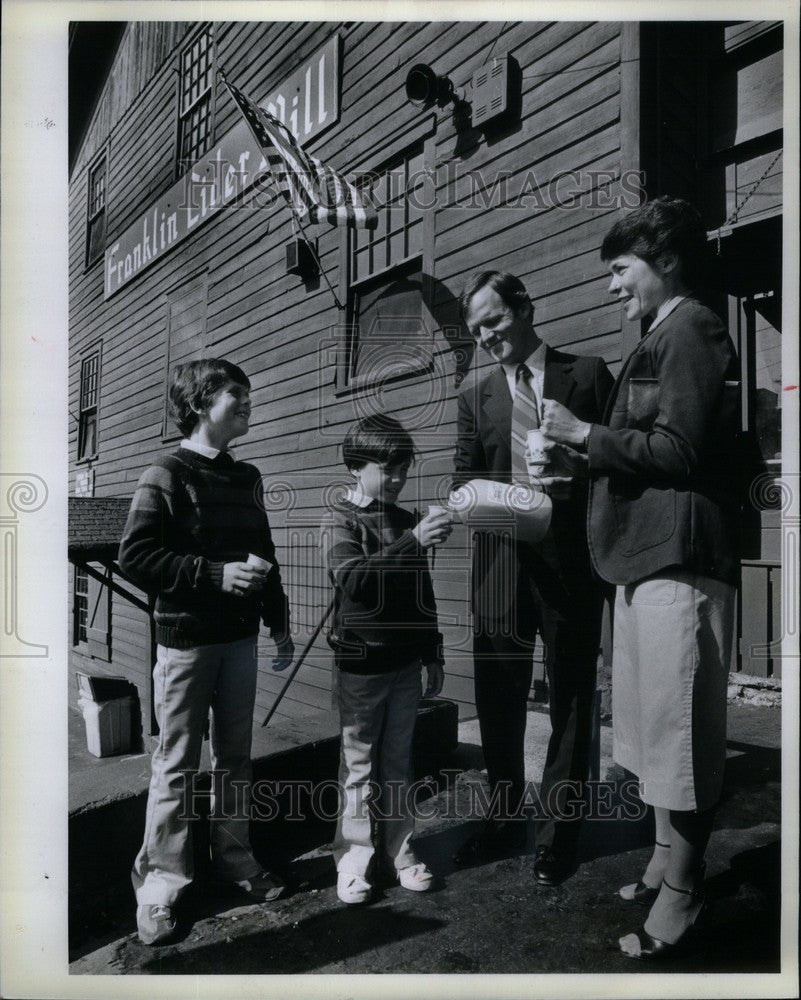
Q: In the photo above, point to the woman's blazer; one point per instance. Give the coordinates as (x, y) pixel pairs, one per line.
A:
(663, 465)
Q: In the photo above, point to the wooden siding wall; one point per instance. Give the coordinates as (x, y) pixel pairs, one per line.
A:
(143, 49)
(276, 327)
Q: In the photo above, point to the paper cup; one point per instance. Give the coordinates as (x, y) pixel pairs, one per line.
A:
(439, 509)
(436, 509)
(264, 564)
(536, 445)
(540, 460)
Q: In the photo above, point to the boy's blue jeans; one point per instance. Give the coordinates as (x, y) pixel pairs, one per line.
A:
(377, 716)
(186, 684)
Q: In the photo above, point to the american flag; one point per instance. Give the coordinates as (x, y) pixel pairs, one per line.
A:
(316, 192)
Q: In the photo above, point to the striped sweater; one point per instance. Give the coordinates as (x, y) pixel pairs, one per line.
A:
(385, 612)
(189, 516)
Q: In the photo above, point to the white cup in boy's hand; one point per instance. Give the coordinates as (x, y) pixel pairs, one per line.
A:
(241, 579)
(259, 563)
(434, 527)
(263, 566)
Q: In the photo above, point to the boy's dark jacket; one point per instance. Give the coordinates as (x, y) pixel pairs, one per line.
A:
(189, 516)
(385, 612)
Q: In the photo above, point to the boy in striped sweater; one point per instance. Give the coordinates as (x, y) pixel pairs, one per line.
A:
(384, 632)
(196, 518)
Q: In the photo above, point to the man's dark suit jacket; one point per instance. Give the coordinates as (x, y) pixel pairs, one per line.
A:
(559, 568)
(664, 470)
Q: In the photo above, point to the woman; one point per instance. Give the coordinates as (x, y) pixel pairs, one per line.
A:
(662, 528)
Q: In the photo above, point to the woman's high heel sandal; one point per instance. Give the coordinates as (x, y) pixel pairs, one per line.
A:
(642, 894)
(652, 948)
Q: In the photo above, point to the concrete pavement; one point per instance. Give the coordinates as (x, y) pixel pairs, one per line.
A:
(492, 919)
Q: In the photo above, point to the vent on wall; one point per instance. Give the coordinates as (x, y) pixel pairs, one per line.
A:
(300, 259)
(492, 90)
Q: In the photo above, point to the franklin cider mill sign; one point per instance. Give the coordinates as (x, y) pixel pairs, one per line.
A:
(307, 102)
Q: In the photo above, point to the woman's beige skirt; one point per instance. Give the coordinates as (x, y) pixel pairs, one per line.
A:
(671, 651)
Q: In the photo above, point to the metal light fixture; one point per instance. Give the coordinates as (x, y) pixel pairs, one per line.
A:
(424, 88)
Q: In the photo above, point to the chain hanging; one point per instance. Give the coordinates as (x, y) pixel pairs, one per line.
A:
(739, 207)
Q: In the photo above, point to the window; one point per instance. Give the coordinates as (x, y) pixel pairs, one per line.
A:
(80, 605)
(399, 234)
(186, 335)
(96, 213)
(195, 100)
(87, 421)
(91, 613)
(388, 332)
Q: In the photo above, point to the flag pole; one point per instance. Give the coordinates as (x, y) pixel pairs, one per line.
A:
(291, 208)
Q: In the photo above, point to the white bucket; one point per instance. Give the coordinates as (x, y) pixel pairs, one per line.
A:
(108, 725)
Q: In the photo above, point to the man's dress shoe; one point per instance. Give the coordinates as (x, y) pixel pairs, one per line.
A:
(550, 867)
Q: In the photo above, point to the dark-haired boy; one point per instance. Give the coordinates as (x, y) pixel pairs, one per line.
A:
(196, 517)
(385, 630)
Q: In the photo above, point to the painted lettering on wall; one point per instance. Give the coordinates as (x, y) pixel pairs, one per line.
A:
(308, 102)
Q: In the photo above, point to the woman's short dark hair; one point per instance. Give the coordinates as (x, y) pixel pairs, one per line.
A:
(194, 384)
(510, 288)
(379, 439)
(661, 228)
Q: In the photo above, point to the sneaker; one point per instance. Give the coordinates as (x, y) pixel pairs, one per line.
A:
(416, 877)
(155, 922)
(262, 888)
(352, 888)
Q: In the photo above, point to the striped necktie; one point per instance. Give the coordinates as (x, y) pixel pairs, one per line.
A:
(524, 419)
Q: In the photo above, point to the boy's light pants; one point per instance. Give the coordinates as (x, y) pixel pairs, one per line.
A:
(377, 717)
(186, 683)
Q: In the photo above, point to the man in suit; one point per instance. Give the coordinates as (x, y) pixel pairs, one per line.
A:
(519, 589)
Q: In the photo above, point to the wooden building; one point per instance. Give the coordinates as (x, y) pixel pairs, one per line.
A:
(537, 136)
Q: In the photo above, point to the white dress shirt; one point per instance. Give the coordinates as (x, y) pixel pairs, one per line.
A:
(665, 310)
(358, 497)
(202, 449)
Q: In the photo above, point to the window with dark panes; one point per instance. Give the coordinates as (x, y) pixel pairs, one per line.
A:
(96, 214)
(195, 124)
(80, 605)
(186, 335)
(91, 613)
(388, 335)
(87, 421)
